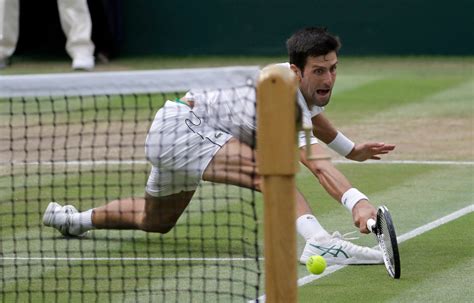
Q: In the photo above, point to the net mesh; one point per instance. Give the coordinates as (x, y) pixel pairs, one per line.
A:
(79, 139)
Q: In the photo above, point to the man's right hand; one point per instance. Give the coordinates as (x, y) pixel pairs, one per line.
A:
(362, 212)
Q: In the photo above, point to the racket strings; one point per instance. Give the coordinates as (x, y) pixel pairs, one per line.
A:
(386, 238)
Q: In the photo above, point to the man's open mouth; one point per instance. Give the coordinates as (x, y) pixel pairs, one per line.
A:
(322, 92)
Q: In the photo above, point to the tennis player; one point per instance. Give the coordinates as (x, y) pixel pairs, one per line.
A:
(211, 136)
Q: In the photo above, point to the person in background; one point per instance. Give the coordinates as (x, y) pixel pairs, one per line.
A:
(75, 22)
(107, 26)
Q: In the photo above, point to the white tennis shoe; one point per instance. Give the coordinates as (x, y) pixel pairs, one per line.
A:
(60, 217)
(336, 250)
(85, 63)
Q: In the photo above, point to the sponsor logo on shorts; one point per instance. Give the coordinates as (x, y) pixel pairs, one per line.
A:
(217, 135)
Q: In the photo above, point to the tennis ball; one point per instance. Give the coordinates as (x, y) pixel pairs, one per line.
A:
(316, 265)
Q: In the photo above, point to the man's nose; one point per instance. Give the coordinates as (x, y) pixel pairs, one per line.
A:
(328, 78)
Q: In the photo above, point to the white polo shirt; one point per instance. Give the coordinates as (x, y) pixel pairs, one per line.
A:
(233, 110)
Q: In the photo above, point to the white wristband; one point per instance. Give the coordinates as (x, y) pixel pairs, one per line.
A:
(351, 197)
(341, 144)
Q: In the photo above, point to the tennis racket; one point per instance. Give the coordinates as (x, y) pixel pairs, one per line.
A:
(384, 230)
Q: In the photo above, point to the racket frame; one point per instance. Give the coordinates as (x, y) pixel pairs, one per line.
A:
(393, 268)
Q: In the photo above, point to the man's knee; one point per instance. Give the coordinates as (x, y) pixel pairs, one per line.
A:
(157, 224)
(161, 213)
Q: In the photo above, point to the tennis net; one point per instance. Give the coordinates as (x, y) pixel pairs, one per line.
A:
(79, 139)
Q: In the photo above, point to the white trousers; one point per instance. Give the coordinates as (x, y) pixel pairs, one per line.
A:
(75, 21)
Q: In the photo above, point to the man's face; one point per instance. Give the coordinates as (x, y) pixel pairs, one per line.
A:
(318, 78)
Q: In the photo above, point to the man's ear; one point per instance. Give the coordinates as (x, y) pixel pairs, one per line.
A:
(297, 71)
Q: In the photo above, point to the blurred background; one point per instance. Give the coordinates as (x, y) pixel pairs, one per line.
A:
(125, 28)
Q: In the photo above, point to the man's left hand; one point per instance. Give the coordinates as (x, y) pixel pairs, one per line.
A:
(362, 152)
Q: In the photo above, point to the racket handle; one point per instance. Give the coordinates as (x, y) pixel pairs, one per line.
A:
(371, 224)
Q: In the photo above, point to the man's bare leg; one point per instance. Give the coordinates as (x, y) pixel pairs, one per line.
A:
(152, 214)
(233, 164)
(119, 214)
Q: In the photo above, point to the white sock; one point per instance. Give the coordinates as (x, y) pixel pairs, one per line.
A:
(308, 226)
(84, 220)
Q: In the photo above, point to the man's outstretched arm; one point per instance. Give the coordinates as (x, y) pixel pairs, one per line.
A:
(326, 132)
(338, 187)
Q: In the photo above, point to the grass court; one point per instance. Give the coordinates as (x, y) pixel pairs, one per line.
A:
(424, 105)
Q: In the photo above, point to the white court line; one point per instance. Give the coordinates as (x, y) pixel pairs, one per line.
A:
(427, 162)
(123, 259)
(302, 281)
(130, 162)
(409, 235)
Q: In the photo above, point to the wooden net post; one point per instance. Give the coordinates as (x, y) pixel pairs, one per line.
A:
(277, 165)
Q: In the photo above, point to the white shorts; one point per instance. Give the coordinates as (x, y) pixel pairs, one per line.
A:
(179, 145)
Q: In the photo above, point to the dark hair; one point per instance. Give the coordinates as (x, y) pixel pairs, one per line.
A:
(310, 41)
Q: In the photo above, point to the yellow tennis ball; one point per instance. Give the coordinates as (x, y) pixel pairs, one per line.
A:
(316, 265)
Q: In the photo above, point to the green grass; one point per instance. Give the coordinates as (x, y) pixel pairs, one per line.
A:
(348, 66)
(436, 267)
(376, 98)
(388, 93)
(192, 238)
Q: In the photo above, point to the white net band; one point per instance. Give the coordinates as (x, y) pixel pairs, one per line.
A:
(127, 82)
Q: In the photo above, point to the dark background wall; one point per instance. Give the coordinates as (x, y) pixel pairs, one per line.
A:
(258, 27)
